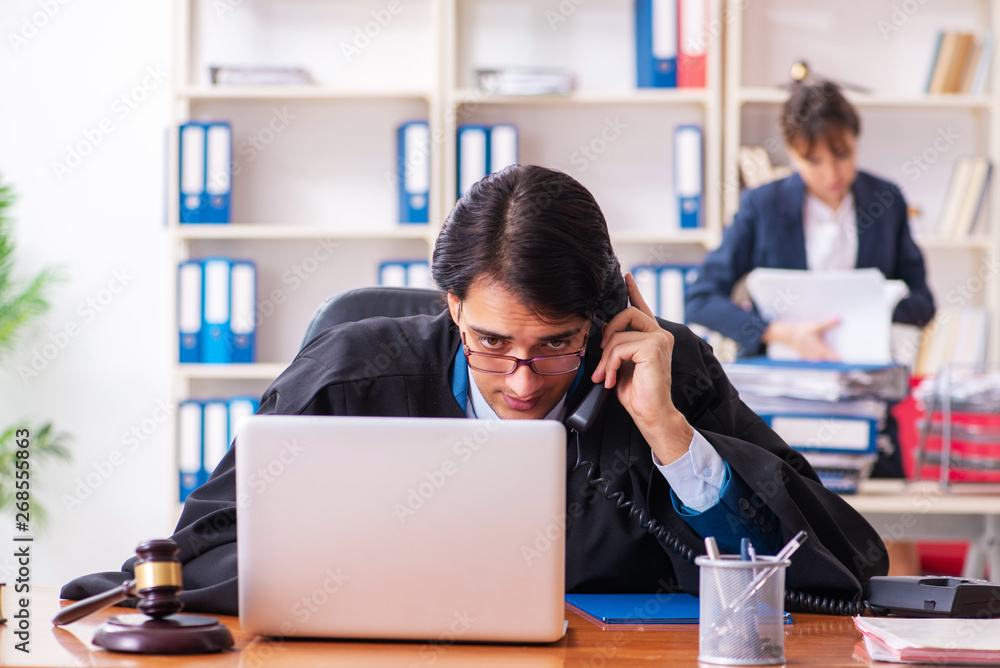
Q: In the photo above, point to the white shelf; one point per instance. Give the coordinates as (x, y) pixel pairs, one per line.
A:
(974, 243)
(697, 96)
(779, 95)
(261, 371)
(297, 93)
(238, 231)
(699, 236)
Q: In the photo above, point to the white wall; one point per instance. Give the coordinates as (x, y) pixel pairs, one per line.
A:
(65, 67)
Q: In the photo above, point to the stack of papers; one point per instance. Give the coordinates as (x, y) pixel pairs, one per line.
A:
(938, 641)
(862, 298)
(830, 411)
(228, 75)
(818, 381)
(526, 81)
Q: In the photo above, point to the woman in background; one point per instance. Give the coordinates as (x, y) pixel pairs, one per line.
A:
(826, 216)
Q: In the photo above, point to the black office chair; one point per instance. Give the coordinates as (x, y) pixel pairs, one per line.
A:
(361, 303)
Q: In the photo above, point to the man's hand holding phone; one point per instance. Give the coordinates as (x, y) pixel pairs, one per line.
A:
(636, 363)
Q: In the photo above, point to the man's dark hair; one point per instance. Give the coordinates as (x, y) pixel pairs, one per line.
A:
(818, 111)
(535, 231)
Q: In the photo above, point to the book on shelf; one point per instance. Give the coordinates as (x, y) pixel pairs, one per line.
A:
(953, 337)
(756, 168)
(526, 81)
(959, 63)
(230, 75)
(964, 198)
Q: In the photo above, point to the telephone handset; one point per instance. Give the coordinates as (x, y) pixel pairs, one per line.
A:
(583, 418)
(610, 305)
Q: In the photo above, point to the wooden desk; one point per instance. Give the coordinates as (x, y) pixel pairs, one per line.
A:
(815, 640)
(911, 511)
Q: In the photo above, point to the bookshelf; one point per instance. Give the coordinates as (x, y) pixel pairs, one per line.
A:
(863, 43)
(632, 176)
(318, 186)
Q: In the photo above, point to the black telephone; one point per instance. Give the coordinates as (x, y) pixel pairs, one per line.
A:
(610, 305)
(583, 418)
(923, 596)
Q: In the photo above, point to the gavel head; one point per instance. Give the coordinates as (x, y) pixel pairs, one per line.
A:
(158, 578)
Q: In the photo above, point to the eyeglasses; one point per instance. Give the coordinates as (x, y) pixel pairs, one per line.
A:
(504, 365)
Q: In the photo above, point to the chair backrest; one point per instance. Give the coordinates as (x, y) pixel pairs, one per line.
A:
(361, 303)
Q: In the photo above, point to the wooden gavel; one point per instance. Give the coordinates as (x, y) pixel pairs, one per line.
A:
(158, 582)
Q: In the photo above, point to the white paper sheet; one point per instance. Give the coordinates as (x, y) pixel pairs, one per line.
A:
(862, 298)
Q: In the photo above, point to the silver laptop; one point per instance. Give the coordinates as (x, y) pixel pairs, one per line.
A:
(402, 528)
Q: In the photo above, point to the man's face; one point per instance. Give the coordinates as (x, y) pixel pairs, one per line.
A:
(494, 321)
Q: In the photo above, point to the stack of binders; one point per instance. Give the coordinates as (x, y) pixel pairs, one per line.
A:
(831, 412)
(664, 287)
(206, 429)
(206, 167)
(405, 273)
(671, 37)
(484, 150)
(217, 311)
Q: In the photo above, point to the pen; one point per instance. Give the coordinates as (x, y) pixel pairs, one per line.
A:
(791, 546)
(712, 549)
(761, 579)
(745, 549)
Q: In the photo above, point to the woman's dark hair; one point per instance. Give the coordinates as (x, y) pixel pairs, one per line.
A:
(818, 111)
(535, 231)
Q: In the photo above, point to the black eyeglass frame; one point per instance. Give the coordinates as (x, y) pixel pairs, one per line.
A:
(530, 362)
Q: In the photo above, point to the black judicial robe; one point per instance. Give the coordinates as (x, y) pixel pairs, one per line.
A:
(403, 367)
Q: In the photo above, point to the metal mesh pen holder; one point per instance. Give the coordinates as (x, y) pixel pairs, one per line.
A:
(741, 610)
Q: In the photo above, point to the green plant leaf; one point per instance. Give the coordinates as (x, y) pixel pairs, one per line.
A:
(45, 444)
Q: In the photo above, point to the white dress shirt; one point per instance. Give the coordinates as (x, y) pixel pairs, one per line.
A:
(831, 234)
(696, 478)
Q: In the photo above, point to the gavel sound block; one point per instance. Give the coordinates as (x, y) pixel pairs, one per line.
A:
(159, 630)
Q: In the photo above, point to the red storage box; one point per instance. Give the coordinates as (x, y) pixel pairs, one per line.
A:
(974, 452)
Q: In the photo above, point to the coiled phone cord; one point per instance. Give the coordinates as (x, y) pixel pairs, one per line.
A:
(796, 599)
(655, 529)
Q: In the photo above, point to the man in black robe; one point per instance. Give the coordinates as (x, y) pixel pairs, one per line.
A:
(532, 321)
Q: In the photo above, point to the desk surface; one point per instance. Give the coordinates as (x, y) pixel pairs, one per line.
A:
(816, 640)
(922, 497)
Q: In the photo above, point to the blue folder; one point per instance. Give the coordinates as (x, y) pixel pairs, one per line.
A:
(413, 155)
(640, 608)
(205, 157)
(216, 335)
(243, 310)
(656, 43)
(635, 608)
(688, 175)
